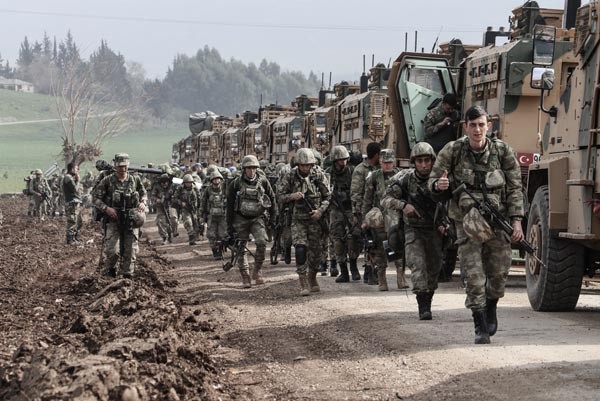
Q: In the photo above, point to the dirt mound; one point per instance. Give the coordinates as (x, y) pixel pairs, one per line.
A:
(71, 333)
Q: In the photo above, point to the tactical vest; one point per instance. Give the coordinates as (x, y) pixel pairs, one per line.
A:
(410, 185)
(251, 198)
(341, 183)
(216, 202)
(309, 186)
(123, 194)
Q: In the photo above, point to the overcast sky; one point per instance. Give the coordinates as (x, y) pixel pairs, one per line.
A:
(305, 35)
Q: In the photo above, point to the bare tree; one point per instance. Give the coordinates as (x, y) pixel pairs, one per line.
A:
(90, 112)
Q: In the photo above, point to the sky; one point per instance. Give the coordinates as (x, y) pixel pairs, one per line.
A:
(305, 35)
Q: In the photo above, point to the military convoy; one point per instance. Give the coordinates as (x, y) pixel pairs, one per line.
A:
(541, 90)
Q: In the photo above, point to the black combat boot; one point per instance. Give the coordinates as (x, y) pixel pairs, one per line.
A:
(492, 319)
(366, 273)
(323, 269)
(344, 277)
(192, 239)
(215, 253)
(354, 270)
(423, 301)
(482, 335)
(333, 270)
(287, 255)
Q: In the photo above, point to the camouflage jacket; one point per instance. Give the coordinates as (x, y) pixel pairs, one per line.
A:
(314, 186)
(191, 198)
(359, 178)
(341, 184)
(213, 201)
(87, 182)
(39, 186)
(159, 194)
(412, 189)
(111, 192)
(434, 117)
(250, 199)
(71, 189)
(375, 188)
(470, 168)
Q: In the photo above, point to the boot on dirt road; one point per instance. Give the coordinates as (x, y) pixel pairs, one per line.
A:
(323, 269)
(304, 287)
(257, 276)
(401, 278)
(424, 306)
(312, 281)
(482, 335)
(354, 270)
(382, 279)
(192, 239)
(492, 318)
(246, 283)
(333, 270)
(344, 277)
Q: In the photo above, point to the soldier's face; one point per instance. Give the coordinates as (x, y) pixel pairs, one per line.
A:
(423, 165)
(250, 172)
(476, 130)
(304, 169)
(188, 185)
(341, 163)
(447, 108)
(387, 167)
(216, 182)
(121, 171)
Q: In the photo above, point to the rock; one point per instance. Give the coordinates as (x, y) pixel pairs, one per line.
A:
(130, 394)
(172, 395)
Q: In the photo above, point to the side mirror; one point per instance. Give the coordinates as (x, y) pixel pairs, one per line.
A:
(542, 78)
(544, 37)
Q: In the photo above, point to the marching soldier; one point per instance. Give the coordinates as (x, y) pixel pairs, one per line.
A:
(122, 198)
(345, 243)
(212, 210)
(307, 190)
(41, 192)
(249, 198)
(489, 169)
(187, 199)
(423, 240)
(166, 219)
(72, 195)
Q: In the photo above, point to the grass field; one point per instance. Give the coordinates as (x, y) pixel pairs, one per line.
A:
(25, 147)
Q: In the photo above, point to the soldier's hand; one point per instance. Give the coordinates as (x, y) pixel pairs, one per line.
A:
(110, 212)
(442, 184)
(364, 226)
(296, 196)
(410, 211)
(201, 220)
(158, 201)
(141, 207)
(183, 204)
(517, 234)
(315, 215)
(447, 121)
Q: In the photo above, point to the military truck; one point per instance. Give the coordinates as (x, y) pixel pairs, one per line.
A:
(256, 141)
(230, 147)
(286, 135)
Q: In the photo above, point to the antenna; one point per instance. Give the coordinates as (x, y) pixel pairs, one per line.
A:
(416, 35)
(364, 64)
(329, 80)
(389, 62)
(372, 60)
(322, 80)
(405, 41)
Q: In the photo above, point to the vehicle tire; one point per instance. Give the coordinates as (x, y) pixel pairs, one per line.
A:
(556, 286)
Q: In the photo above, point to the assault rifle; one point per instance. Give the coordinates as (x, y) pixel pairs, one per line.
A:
(103, 165)
(496, 220)
(237, 247)
(425, 204)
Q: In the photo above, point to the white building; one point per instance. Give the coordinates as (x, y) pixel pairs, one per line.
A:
(16, 85)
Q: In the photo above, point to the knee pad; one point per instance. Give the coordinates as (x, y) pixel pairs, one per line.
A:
(300, 254)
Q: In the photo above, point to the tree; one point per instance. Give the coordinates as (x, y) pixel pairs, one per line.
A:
(25, 53)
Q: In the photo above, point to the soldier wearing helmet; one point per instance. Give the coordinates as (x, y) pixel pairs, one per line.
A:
(212, 211)
(489, 168)
(39, 188)
(423, 245)
(346, 244)
(166, 218)
(250, 202)
(306, 189)
(359, 178)
(376, 186)
(187, 199)
(71, 190)
(118, 195)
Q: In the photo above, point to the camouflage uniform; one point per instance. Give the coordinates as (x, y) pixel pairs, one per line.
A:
(487, 264)
(72, 195)
(307, 235)
(87, 183)
(166, 218)
(213, 209)
(359, 179)
(248, 202)
(285, 215)
(187, 200)
(123, 196)
(39, 189)
(438, 137)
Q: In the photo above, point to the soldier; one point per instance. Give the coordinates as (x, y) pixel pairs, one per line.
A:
(345, 243)
(212, 210)
(307, 190)
(423, 241)
(122, 198)
(166, 220)
(489, 168)
(439, 123)
(87, 183)
(72, 195)
(285, 215)
(41, 192)
(187, 198)
(359, 178)
(249, 198)
(376, 186)
(30, 196)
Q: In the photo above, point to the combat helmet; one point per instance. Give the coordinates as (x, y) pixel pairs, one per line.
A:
(38, 172)
(137, 218)
(339, 152)
(215, 174)
(388, 156)
(121, 159)
(374, 218)
(305, 156)
(188, 178)
(250, 161)
(164, 178)
(263, 164)
(318, 157)
(476, 226)
(210, 169)
(421, 149)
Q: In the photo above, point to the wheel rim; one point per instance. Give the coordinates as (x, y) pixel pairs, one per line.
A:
(535, 237)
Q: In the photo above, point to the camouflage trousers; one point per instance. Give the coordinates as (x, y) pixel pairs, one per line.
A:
(39, 207)
(310, 234)
(112, 248)
(423, 248)
(345, 243)
(243, 227)
(186, 219)
(216, 229)
(163, 221)
(74, 222)
(378, 255)
(485, 265)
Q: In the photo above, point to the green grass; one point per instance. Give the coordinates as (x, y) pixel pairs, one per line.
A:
(16, 106)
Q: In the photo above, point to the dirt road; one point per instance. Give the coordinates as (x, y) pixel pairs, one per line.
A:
(352, 342)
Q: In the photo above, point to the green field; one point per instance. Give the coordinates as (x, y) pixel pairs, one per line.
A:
(25, 147)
